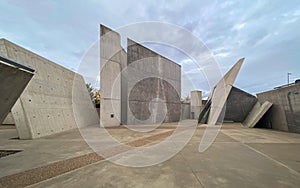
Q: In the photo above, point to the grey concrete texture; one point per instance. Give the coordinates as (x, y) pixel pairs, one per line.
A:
(238, 105)
(284, 115)
(13, 81)
(239, 157)
(46, 105)
(220, 92)
(9, 119)
(152, 80)
(112, 59)
(257, 113)
(196, 104)
(185, 111)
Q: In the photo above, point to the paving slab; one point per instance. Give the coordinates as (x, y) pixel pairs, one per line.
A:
(239, 157)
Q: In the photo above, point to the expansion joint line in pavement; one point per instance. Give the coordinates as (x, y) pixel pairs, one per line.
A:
(43, 173)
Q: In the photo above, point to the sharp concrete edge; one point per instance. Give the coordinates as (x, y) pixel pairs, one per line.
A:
(257, 113)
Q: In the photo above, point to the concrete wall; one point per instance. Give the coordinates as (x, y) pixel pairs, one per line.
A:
(46, 105)
(238, 105)
(185, 111)
(285, 113)
(112, 59)
(13, 81)
(154, 86)
(196, 104)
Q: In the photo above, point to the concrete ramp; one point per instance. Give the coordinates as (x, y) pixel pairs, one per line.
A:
(257, 113)
(14, 77)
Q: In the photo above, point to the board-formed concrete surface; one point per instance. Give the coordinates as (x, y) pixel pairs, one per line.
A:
(257, 113)
(284, 115)
(153, 85)
(239, 157)
(46, 105)
(238, 105)
(13, 80)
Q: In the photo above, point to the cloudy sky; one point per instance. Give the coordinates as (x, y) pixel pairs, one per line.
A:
(266, 33)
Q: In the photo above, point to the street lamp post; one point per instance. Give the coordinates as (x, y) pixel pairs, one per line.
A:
(288, 77)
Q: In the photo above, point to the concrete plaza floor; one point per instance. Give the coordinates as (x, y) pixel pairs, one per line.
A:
(239, 157)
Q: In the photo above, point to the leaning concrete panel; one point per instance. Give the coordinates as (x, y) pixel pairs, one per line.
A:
(45, 107)
(257, 113)
(154, 86)
(13, 80)
(220, 94)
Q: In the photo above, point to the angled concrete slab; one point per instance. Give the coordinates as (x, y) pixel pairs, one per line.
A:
(220, 94)
(46, 105)
(257, 113)
(14, 77)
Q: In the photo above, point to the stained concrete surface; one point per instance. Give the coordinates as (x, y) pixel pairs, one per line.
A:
(239, 157)
(285, 113)
(151, 76)
(238, 105)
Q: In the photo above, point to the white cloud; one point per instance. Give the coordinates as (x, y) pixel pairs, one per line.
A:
(263, 32)
(239, 26)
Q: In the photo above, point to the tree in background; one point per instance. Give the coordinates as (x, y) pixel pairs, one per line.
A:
(94, 94)
(90, 90)
(97, 98)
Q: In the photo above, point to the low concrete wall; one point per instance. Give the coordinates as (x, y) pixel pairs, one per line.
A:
(284, 115)
(46, 105)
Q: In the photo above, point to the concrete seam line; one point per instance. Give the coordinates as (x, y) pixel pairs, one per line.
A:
(274, 160)
(29, 177)
(265, 155)
(198, 179)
